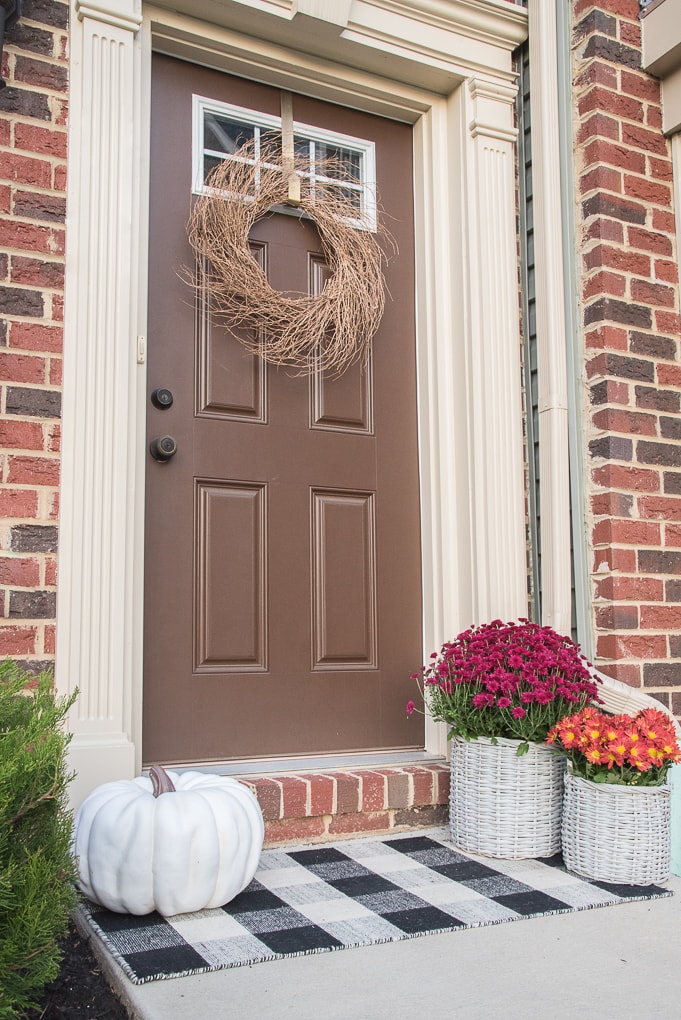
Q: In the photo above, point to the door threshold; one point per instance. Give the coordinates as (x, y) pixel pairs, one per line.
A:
(317, 763)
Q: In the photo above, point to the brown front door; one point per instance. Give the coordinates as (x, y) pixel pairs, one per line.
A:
(283, 571)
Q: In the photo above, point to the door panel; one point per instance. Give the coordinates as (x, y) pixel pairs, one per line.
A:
(229, 385)
(344, 580)
(230, 621)
(344, 402)
(283, 574)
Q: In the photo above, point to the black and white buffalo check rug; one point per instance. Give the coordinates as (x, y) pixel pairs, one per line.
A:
(353, 893)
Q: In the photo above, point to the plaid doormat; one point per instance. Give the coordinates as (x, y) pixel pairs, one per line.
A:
(354, 893)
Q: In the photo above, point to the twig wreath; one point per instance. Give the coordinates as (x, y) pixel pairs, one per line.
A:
(325, 332)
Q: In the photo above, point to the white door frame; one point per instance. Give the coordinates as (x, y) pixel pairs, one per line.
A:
(373, 55)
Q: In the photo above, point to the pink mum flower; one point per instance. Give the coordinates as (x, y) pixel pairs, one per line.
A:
(474, 681)
(483, 700)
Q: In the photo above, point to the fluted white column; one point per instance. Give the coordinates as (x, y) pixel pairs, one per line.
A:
(493, 349)
(97, 603)
(554, 475)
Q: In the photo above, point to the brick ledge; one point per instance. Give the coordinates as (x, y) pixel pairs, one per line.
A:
(319, 806)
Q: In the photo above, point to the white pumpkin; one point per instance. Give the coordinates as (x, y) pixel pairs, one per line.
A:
(173, 842)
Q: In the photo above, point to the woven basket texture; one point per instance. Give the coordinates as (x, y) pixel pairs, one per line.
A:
(617, 834)
(504, 806)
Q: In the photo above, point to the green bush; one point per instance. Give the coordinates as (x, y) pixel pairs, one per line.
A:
(37, 871)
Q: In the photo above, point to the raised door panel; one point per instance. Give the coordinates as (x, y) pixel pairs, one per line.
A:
(344, 580)
(231, 383)
(340, 403)
(230, 604)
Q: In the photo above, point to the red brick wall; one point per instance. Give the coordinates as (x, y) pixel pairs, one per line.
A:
(33, 111)
(323, 805)
(630, 317)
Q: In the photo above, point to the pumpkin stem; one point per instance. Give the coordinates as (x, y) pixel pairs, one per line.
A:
(160, 780)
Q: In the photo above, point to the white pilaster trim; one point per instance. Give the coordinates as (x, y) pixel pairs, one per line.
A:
(554, 476)
(444, 430)
(99, 612)
(486, 121)
(481, 89)
(479, 127)
(496, 471)
(108, 14)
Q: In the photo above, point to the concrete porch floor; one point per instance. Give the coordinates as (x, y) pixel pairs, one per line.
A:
(608, 962)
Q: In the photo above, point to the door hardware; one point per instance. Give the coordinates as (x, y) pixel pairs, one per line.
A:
(163, 448)
(162, 399)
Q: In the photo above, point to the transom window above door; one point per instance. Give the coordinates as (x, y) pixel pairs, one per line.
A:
(220, 129)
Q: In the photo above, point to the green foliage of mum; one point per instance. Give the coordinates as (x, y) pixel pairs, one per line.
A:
(37, 870)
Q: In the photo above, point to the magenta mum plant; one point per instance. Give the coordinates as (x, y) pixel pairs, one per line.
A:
(506, 680)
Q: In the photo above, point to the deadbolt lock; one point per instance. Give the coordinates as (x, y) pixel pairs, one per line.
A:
(162, 398)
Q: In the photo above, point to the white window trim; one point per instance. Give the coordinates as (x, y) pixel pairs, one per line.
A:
(367, 148)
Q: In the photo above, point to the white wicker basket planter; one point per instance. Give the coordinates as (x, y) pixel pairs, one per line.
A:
(617, 834)
(501, 805)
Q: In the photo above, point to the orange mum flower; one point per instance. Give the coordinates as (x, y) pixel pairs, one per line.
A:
(617, 749)
(627, 746)
(671, 751)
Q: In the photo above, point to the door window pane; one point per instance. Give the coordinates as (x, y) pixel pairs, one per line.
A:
(346, 164)
(220, 129)
(223, 135)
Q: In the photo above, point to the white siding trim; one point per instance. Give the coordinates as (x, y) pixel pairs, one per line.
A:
(554, 479)
(676, 173)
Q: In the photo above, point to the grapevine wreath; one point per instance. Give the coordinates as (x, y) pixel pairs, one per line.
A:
(324, 332)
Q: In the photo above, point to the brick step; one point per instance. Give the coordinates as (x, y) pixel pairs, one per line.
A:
(320, 806)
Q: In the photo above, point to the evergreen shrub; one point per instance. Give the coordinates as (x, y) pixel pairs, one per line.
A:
(37, 871)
